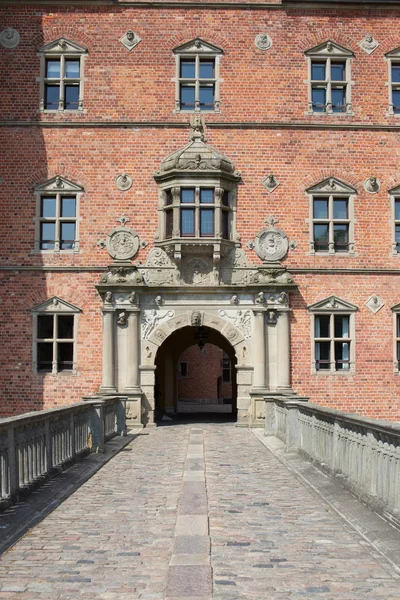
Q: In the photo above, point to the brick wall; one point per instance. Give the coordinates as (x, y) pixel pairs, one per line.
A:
(204, 371)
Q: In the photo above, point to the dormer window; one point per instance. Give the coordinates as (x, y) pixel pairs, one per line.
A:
(329, 88)
(197, 77)
(61, 86)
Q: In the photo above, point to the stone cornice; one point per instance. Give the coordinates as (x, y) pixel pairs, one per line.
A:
(211, 125)
(303, 5)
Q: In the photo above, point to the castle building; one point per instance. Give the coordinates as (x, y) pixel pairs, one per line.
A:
(179, 175)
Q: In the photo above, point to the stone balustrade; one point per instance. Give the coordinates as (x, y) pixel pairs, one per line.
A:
(36, 446)
(362, 453)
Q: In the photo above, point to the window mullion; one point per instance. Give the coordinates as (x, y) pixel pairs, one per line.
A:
(62, 75)
(57, 223)
(332, 342)
(55, 329)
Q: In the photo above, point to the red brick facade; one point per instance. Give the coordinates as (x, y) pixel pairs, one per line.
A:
(128, 125)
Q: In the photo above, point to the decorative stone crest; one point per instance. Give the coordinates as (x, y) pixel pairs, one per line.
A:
(271, 244)
(372, 185)
(128, 274)
(122, 243)
(151, 320)
(197, 271)
(374, 304)
(368, 44)
(130, 40)
(9, 38)
(270, 183)
(263, 41)
(241, 319)
(123, 182)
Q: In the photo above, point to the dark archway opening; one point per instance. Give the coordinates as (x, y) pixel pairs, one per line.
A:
(195, 378)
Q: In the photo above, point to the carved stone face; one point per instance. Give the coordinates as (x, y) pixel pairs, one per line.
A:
(196, 319)
(130, 35)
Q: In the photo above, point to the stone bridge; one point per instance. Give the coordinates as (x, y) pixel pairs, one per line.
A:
(207, 510)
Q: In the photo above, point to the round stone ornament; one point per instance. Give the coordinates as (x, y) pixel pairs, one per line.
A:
(123, 182)
(122, 243)
(263, 41)
(9, 38)
(271, 244)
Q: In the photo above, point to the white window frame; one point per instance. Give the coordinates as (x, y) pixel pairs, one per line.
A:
(328, 53)
(392, 57)
(57, 186)
(396, 338)
(332, 188)
(394, 195)
(55, 307)
(332, 307)
(197, 49)
(62, 49)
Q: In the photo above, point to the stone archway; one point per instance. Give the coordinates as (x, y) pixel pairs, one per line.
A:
(233, 340)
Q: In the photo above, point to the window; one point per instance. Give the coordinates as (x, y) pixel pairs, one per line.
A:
(183, 370)
(197, 77)
(55, 332)
(226, 370)
(62, 76)
(393, 59)
(57, 216)
(198, 212)
(329, 79)
(395, 200)
(331, 216)
(332, 336)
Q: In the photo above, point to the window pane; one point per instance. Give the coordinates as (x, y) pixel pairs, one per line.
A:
(168, 223)
(188, 69)
(68, 207)
(321, 238)
(206, 97)
(187, 221)
(45, 356)
(206, 69)
(318, 71)
(71, 97)
(187, 97)
(207, 221)
(225, 225)
(322, 326)
(318, 99)
(398, 326)
(396, 101)
(321, 208)
(341, 237)
(65, 353)
(187, 195)
(397, 210)
(65, 327)
(51, 97)
(53, 69)
(338, 99)
(45, 327)
(398, 238)
(342, 326)
(72, 69)
(342, 356)
(47, 236)
(48, 207)
(322, 355)
(206, 196)
(67, 240)
(340, 209)
(396, 73)
(398, 354)
(338, 71)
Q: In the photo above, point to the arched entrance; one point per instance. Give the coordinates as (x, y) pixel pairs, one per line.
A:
(169, 395)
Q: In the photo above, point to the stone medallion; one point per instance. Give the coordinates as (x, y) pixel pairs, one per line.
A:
(9, 38)
(123, 182)
(271, 244)
(122, 243)
(130, 40)
(263, 41)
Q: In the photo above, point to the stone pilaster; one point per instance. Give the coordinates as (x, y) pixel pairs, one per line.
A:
(108, 366)
(283, 351)
(133, 352)
(258, 350)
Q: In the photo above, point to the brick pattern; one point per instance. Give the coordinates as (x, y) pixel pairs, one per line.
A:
(204, 371)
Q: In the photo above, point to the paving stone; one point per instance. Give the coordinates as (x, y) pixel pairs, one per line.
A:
(189, 580)
(194, 544)
(191, 525)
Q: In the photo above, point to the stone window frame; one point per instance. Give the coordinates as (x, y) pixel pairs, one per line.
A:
(57, 186)
(396, 338)
(55, 307)
(333, 306)
(325, 53)
(197, 49)
(392, 57)
(394, 195)
(62, 49)
(334, 188)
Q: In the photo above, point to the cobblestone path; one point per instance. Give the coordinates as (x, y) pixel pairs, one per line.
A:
(142, 528)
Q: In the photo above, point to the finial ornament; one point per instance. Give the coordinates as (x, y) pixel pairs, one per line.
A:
(123, 220)
(271, 221)
(197, 128)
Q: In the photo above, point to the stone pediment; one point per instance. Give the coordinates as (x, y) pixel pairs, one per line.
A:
(332, 304)
(63, 46)
(332, 185)
(396, 308)
(58, 184)
(198, 46)
(55, 304)
(393, 53)
(395, 190)
(329, 48)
